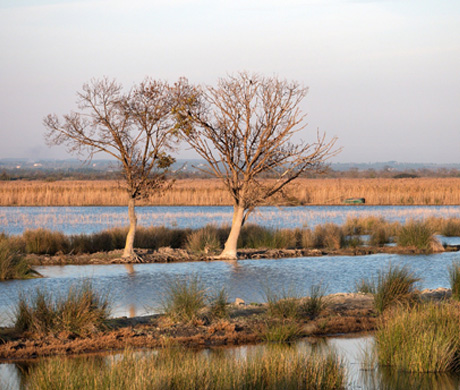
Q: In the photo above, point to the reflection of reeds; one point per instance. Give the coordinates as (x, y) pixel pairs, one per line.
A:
(276, 368)
(420, 191)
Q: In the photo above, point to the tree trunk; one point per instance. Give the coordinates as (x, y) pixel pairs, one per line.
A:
(230, 247)
(129, 246)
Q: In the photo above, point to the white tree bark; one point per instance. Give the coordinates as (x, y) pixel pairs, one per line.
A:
(129, 246)
(230, 248)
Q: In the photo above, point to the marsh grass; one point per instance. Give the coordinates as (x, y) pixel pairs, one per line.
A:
(276, 368)
(281, 332)
(424, 338)
(282, 305)
(395, 286)
(450, 227)
(43, 241)
(218, 304)
(205, 240)
(328, 236)
(315, 303)
(454, 279)
(255, 236)
(418, 234)
(184, 299)
(13, 265)
(80, 312)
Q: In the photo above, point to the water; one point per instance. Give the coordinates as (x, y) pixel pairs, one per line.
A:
(350, 350)
(138, 289)
(75, 220)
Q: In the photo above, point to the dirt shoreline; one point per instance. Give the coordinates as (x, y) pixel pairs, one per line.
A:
(171, 255)
(345, 313)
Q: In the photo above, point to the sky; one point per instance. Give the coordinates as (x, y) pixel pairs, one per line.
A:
(383, 75)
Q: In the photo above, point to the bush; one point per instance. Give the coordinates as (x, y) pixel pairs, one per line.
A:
(80, 312)
(13, 265)
(422, 339)
(184, 299)
(45, 242)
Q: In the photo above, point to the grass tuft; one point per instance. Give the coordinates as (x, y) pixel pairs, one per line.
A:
(184, 299)
(80, 312)
(313, 305)
(205, 240)
(418, 234)
(281, 332)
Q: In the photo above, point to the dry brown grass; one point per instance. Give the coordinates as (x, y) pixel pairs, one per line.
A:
(203, 192)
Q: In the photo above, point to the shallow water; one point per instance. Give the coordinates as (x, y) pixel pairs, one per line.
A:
(138, 289)
(350, 350)
(75, 220)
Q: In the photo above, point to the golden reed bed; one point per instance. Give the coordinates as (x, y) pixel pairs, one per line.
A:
(421, 191)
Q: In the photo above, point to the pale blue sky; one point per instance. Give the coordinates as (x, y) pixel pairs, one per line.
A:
(384, 76)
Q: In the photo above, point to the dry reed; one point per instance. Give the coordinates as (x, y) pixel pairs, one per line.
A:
(203, 192)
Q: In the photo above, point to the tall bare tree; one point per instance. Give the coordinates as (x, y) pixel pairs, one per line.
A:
(133, 127)
(243, 128)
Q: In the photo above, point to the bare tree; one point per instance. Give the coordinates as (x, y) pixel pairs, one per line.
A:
(243, 128)
(132, 127)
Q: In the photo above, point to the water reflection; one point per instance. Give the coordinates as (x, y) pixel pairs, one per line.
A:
(350, 350)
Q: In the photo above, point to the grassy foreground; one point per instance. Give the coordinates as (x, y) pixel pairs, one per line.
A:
(173, 369)
(210, 192)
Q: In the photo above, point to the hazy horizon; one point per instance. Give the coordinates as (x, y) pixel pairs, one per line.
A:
(382, 74)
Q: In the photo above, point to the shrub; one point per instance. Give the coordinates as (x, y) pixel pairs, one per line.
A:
(184, 298)
(43, 241)
(13, 265)
(422, 339)
(205, 240)
(80, 312)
